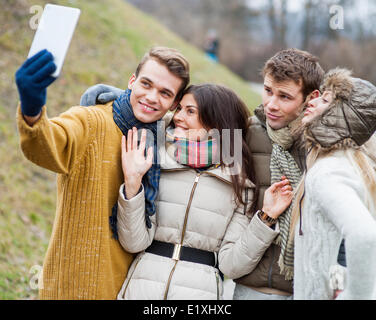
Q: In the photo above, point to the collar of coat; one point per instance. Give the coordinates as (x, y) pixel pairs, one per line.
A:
(222, 173)
(260, 115)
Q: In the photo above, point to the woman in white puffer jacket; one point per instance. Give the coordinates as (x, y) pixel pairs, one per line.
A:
(202, 204)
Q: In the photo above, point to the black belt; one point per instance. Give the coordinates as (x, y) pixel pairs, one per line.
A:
(179, 252)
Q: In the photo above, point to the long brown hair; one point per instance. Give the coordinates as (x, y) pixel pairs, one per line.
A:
(220, 108)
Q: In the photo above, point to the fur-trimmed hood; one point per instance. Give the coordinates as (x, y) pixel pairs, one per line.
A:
(350, 119)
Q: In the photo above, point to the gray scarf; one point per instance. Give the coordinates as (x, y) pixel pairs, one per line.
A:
(282, 163)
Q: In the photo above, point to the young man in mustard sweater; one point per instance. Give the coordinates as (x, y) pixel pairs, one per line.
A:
(83, 146)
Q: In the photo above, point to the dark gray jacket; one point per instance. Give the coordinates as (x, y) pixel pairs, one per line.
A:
(267, 273)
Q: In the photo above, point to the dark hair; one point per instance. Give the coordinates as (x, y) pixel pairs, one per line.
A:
(297, 65)
(220, 108)
(174, 61)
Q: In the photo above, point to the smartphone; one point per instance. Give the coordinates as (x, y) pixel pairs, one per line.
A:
(55, 32)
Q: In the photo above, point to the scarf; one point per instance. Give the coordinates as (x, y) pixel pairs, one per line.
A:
(195, 154)
(125, 120)
(282, 163)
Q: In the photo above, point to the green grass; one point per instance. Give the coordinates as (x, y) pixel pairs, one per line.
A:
(110, 39)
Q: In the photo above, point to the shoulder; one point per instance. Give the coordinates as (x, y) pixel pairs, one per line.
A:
(334, 163)
(96, 116)
(224, 175)
(333, 170)
(257, 138)
(84, 112)
(101, 110)
(97, 121)
(256, 124)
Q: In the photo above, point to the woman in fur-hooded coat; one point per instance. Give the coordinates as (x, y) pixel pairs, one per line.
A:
(336, 198)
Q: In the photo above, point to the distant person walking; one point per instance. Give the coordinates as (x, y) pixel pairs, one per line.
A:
(212, 45)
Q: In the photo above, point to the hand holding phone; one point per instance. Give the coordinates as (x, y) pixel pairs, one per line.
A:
(32, 79)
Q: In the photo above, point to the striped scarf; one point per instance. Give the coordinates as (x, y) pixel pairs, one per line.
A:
(195, 154)
(282, 163)
(125, 120)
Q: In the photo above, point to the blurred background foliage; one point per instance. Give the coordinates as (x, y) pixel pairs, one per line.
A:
(339, 32)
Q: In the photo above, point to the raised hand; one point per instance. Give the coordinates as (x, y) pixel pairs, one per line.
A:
(32, 79)
(277, 198)
(133, 160)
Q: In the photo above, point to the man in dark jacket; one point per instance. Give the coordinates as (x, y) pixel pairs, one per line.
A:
(290, 78)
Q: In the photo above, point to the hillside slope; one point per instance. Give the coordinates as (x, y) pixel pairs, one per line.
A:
(110, 39)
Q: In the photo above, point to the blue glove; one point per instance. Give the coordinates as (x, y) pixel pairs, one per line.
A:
(32, 79)
(100, 94)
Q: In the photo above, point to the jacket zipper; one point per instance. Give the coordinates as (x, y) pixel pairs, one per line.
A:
(217, 279)
(183, 232)
(169, 280)
(189, 207)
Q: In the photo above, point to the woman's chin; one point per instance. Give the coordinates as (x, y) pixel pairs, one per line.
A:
(180, 133)
(306, 120)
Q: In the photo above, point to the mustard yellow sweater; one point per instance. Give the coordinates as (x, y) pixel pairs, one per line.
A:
(82, 145)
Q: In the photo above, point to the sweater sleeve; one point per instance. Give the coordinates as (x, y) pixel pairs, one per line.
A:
(339, 193)
(133, 233)
(244, 244)
(55, 144)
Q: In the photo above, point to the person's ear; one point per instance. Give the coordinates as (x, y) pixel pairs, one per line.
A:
(313, 95)
(131, 81)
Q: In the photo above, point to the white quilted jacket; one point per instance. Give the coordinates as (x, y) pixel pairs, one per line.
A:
(195, 209)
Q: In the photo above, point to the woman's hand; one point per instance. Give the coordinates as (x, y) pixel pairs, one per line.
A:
(277, 198)
(133, 160)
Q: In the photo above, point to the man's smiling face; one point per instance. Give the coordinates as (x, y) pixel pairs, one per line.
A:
(153, 91)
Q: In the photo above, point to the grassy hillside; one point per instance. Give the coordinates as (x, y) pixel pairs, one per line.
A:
(110, 39)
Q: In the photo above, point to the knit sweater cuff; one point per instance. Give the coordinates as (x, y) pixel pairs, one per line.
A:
(25, 128)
